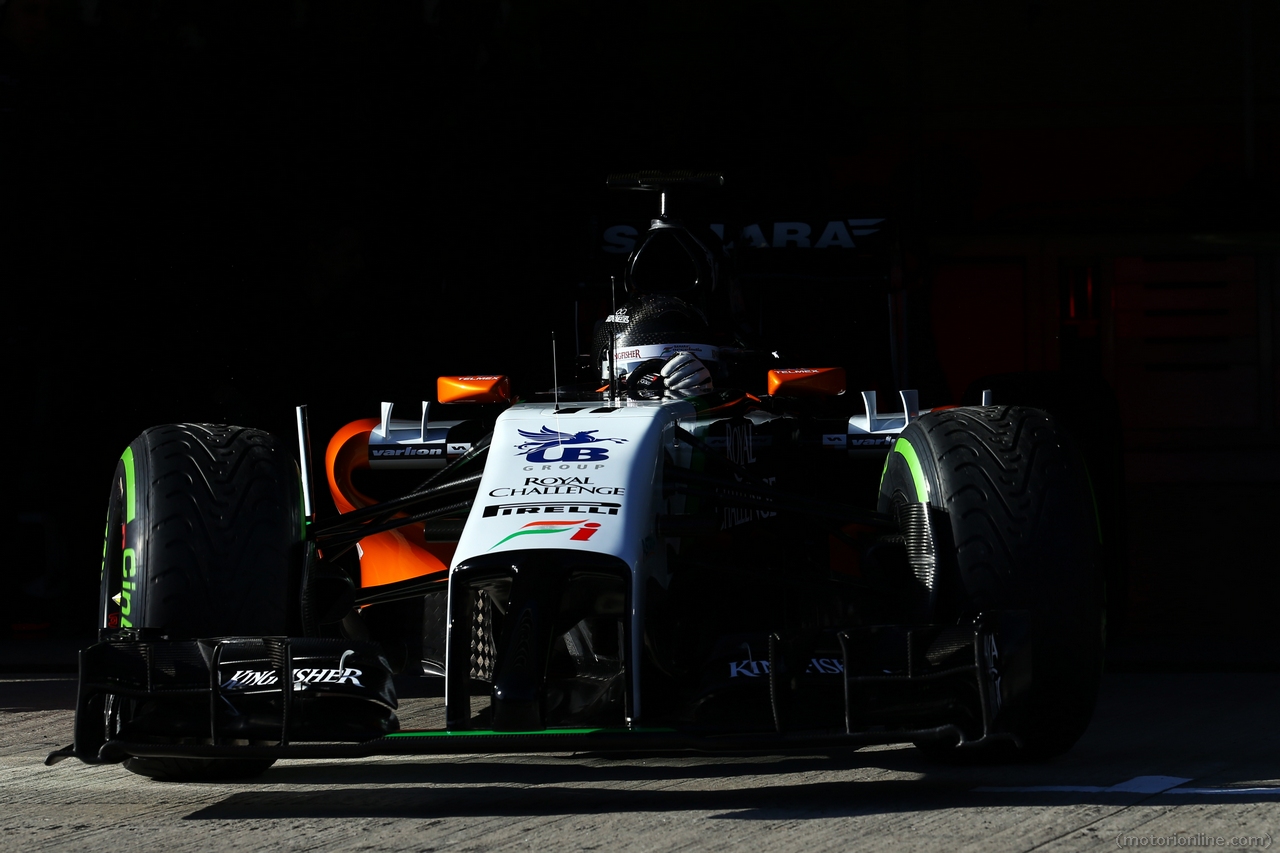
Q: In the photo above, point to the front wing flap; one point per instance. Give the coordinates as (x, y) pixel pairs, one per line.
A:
(335, 699)
(216, 692)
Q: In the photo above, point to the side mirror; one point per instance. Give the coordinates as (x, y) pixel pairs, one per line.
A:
(807, 382)
(473, 389)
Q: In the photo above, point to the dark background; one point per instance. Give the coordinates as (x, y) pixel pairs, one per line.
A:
(213, 211)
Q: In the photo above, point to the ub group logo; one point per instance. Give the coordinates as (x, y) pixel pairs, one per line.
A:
(542, 446)
(582, 530)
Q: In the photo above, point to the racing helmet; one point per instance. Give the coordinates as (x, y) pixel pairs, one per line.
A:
(653, 326)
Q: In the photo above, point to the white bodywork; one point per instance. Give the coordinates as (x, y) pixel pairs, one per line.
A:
(586, 476)
(873, 431)
(581, 477)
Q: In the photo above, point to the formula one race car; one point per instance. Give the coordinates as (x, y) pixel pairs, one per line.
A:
(654, 559)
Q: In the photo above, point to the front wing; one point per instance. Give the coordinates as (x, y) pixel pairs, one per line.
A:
(308, 698)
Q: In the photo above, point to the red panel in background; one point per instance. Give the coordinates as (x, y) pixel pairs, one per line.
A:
(979, 322)
(1187, 344)
(1056, 171)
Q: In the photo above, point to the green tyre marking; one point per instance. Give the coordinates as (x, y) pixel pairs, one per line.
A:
(129, 570)
(903, 447)
(131, 493)
(128, 562)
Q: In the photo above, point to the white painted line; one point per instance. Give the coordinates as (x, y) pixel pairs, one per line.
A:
(1136, 785)
(1274, 792)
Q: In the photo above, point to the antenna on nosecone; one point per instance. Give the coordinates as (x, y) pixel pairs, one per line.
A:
(613, 339)
(555, 380)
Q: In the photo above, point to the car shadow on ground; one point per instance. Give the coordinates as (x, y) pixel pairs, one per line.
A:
(739, 787)
(27, 693)
(818, 799)
(1146, 726)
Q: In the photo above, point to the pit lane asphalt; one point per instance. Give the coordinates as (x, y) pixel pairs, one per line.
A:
(1189, 755)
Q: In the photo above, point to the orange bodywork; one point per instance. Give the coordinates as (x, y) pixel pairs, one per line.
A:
(393, 555)
(473, 389)
(807, 382)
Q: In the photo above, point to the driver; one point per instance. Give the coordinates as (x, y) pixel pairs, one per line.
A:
(657, 344)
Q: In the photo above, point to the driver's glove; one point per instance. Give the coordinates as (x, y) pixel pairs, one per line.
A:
(684, 375)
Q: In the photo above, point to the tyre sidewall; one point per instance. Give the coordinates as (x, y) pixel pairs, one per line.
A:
(211, 546)
(1026, 538)
(199, 557)
(124, 543)
(910, 462)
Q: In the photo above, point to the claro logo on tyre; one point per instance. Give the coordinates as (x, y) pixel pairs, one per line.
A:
(130, 575)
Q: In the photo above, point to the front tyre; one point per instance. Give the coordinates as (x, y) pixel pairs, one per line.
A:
(202, 540)
(1026, 537)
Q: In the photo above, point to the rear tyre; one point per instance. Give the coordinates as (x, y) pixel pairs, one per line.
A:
(203, 536)
(1025, 535)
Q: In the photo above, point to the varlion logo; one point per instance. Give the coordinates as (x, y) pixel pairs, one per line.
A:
(406, 452)
(249, 678)
(873, 441)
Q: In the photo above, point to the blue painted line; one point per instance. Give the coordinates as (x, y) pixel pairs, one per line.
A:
(1136, 785)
